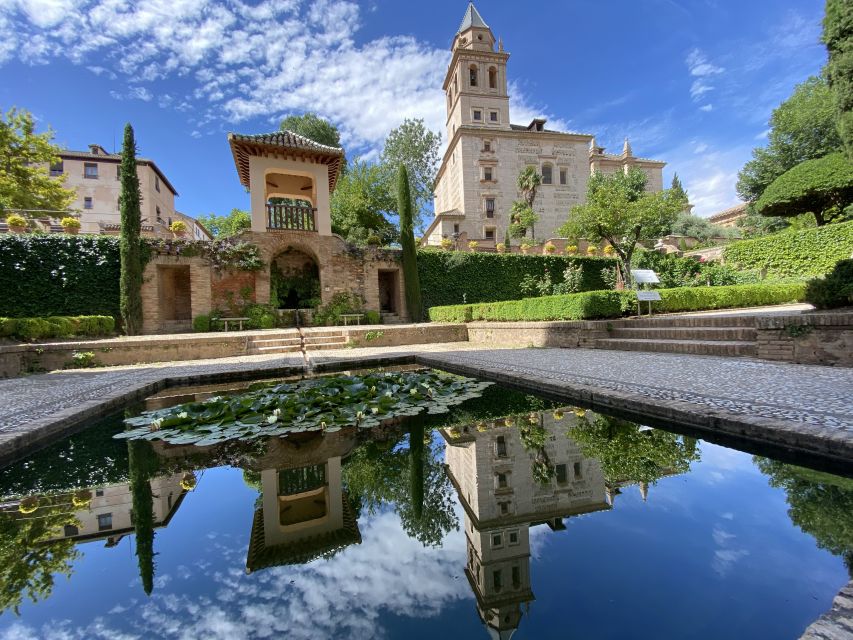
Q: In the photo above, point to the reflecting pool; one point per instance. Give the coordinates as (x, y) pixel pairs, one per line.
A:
(509, 516)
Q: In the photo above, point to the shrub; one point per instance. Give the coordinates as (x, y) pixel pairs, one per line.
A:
(70, 223)
(549, 247)
(65, 326)
(446, 243)
(14, 220)
(571, 250)
(341, 303)
(500, 248)
(591, 250)
(612, 304)
(374, 240)
(261, 316)
(834, 290)
(473, 244)
(201, 323)
(798, 254)
(490, 277)
(93, 326)
(178, 226)
(8, 327)
(372, 317)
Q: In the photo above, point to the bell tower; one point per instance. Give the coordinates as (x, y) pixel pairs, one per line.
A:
(475, 85)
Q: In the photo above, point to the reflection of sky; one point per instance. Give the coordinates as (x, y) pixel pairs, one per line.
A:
(711, 554)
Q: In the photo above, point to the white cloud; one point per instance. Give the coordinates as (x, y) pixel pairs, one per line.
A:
(700, 68)
(706, 108)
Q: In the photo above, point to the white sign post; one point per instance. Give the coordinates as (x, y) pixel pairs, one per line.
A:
(646, 276)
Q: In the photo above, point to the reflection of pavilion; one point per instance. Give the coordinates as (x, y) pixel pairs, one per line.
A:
(304, 511)
(493, 475)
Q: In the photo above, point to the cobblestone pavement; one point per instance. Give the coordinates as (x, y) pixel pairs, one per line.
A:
(801, 404)
(837, 623)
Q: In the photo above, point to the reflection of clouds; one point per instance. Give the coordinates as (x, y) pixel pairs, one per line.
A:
(725, 557)
(342, 597)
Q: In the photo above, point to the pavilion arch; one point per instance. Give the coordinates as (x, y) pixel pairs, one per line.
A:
(295, 278)
(290, 184)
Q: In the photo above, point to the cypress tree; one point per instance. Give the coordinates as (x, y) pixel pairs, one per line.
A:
(143, 464)
(838, 37)
(407, 240)
(130, 249)
(506, 239)
(677, 188)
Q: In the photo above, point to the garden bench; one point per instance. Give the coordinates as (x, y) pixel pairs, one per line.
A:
(239, 322)
(346, 317)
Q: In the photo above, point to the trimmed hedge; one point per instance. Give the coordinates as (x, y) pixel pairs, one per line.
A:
(593, 305)
(833, 291)
(56, 327)
(491, 277)
(58, 275)
(797, 254)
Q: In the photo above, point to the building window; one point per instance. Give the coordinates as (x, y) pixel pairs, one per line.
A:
(501, 479)
(71, 530)
(487, 145)
(504, 508)
(490, 207)
(496, 579)
(577, 470)
(56, 168)
(497, 540)
(487, 174)
(90, 170)
(456, 228)
(478, 115)
(516, 578)
(490, 233)
(99, 493)
(500, 447)
(493, 116)
(159, 219)
(105, 521)
(564, 176)
(513, 537)
(493, 78)
(547, 177)
(455, 86)
(156, 183)
(561, 472)
(87, 203)
(118, 172)
(472, 75)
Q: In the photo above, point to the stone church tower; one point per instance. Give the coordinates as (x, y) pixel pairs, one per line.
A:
(476, 183)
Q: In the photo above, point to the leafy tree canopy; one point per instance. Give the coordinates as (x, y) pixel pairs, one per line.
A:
(361, 202)
(801, 128)
(25, 158)
(823, 187)
(226, 226)
(416, 147)
(312, 126)
(838, 37)
(687, 224)
(620, 211)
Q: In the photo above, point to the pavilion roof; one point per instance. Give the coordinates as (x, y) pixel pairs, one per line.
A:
(287, 144)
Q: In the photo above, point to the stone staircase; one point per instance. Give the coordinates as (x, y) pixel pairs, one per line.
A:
(389, 317)
(320, 339)
(298, 340)
(291, 343)
(698, 335)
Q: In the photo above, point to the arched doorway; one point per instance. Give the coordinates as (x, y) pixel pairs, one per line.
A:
(294, 280)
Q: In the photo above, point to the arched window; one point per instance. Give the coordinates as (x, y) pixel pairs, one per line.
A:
(493, 78)
(547, 174)
(472, 75)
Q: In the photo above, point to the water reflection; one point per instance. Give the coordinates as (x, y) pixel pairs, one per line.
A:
(500, 466)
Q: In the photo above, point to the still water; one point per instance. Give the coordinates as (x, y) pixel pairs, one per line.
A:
(509, 515)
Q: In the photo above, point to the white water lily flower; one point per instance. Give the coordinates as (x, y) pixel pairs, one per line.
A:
(388, 394)
(322, 425)
(375, 410)
(276, 412)
(156, 424)
(272, 419)
(183, 415)
(359, 415)
(413, 391)
(373, 389)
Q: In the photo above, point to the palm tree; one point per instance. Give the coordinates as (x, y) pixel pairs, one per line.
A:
(528, 181)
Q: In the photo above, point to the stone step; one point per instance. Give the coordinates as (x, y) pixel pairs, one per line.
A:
(390, 318)
(338, 339)
(320, 346)
(323, 333)
(295, 348)
(277, 342)
(687, 333)
(687, 321)
(695, 347)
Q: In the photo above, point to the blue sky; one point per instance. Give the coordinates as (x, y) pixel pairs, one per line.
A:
(692, 82)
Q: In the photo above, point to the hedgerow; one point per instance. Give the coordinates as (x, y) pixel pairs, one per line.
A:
(56, 327)
(451, 277)
(593, 305)
(798, 254)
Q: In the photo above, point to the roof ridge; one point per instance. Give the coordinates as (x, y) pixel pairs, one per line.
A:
(286, 137)
(472, 18)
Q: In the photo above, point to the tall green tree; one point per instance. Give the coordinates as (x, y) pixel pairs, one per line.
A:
(314, 127)
(687, 224)
(619, 210)
(25, 157)
(143, 465)
(838, 37)
(130, 245)
(678, 190)
(227, 226)
(407, 240)
(522, 214)
(415, 146)
(361, 202)
(802, 128)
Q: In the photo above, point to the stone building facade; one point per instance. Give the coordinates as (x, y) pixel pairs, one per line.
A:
(476, 183)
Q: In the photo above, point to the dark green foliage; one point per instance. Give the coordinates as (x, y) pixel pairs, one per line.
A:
(823, 187)
(412, 285)
(57, 327)
(58, 275)
(226, 226)
(313, 127)
(130, 247)
(678, 190)
(797, 254)
(613, 304)
(835, 289)
(201, 324)
(838, 37)
(675, 271)
(143, 465)
(447, 276)
(329, 314)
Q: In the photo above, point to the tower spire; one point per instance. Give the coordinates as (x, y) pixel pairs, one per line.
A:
(472, 18)
(626, 148)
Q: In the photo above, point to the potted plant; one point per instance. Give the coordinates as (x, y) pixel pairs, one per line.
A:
(179, 228)
(70, 225)
(446, 243)
(188, 481)
(525, 247)
(591, 250)
(17, 224)
(571, 250)
(500, 248)
(549, 248)
(609, 250)
(473, 244)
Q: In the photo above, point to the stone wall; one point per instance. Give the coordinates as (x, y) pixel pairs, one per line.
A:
(569, 334)
(231, 289)
(814, 338)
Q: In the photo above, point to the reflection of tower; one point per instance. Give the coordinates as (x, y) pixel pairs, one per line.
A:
(493, 474)
(304, 510)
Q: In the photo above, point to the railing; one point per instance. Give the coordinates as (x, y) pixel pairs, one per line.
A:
(291, 217)
(293, 481)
